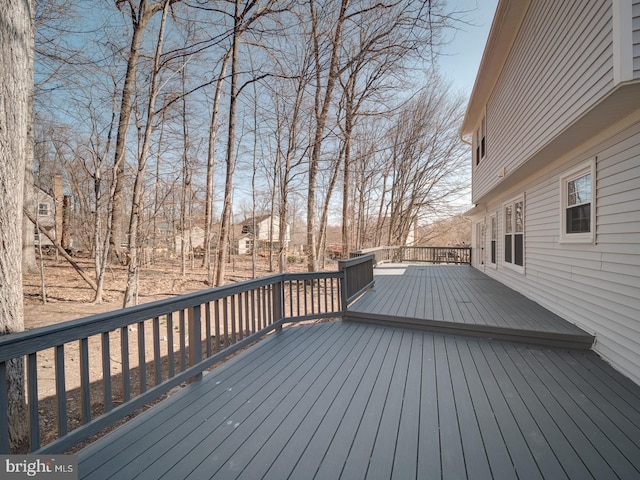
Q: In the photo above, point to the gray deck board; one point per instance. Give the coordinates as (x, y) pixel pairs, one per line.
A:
(347, 400)
(460, 300)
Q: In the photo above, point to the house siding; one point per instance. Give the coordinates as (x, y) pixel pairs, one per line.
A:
(636, 39)
(560, 66)
(596, 286)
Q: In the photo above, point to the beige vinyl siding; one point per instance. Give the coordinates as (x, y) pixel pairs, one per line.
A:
(596, 286)
(560, 66)
(636, 39)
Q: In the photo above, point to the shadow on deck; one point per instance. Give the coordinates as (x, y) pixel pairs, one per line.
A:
(464, 301)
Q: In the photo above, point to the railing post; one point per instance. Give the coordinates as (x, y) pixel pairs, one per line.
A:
(344, 292)
(277, 303)
(195, 342)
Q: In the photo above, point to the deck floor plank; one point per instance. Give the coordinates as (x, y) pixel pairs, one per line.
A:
(470, 433)
(406, 448)
(500, 462)
(303, 403)
(360, 450)
(322, 418)
(572, 411)
(343, 400)
(179, 419)
(463, 300)
(327, 448)
(234, 426)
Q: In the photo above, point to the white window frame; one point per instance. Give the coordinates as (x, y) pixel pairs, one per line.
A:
(480, 140)
(493, 249)
(43, 209)
(512, 203)
(581, 170)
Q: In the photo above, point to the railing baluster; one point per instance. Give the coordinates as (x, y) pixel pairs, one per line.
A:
(207, 326)
(251, 328)
(261, 303)
(85, 381)
(254, 320)
(32, 389)
(218, 344)
(61, 391)
(225, 321)
(183, 343)
(170, 353)
(142, 362)
(326, 299)
(269, 301)
(106, 371)
(157, 354)
(298, 298)
(240, 318)
(124, 356)
(305, 309)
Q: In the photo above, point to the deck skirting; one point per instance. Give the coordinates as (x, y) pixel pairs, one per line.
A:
(534, 337)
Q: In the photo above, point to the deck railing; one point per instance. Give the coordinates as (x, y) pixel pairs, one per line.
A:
(447, 255)
(358, 273)
(147, 350)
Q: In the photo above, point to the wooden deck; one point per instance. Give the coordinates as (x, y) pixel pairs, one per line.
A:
(461, 300)
(348, 400)
(439, 372)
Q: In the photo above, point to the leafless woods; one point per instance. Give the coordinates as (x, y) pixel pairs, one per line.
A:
(174, 124)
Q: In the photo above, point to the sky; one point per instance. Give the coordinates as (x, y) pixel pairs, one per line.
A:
(464, 52)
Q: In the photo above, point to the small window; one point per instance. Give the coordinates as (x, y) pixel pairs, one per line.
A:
(577, 208)
(43, 209)
(494, 239)
(479, 138)
(514, 234)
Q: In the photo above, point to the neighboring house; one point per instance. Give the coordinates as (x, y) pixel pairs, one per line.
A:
(267, 232)
(554, 119)
(45, 215)
(194, 238)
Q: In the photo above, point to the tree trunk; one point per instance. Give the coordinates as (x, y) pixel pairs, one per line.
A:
(136, 205)
(225, 223)
(139, 19)
(28, 233)
(208, 209)
(16, 90)
(322, 112)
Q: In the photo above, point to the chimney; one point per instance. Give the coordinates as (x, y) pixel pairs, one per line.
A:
(57, 198)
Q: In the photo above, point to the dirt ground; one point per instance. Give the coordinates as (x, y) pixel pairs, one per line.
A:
(69, 297)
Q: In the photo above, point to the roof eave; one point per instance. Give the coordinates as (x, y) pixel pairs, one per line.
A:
(504, 28)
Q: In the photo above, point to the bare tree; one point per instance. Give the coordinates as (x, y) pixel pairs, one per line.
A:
(213, 127)
(136, 206)
(323, 97)
(245, 14)
(426, 159)
(16, 88)
(140, 14)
